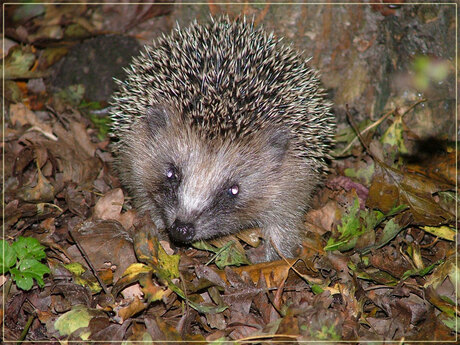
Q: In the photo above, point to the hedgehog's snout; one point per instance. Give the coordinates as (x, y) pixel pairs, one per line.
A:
(181, 232)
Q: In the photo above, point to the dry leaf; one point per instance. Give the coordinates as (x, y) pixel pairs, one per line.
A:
(110, 205)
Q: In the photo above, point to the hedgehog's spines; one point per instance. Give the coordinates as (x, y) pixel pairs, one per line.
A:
(248, 76)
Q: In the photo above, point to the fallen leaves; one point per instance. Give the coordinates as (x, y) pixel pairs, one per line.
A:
(392, 187)
(118, 269)
(289, 300)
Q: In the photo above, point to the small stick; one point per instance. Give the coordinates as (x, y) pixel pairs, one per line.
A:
(26, 329)
(375, 124)
(85, 256)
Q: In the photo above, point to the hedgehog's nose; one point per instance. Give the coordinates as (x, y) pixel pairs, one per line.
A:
(181, 232)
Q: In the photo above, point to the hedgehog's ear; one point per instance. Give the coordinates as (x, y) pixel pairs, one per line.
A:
(156, 117)
(278, 141)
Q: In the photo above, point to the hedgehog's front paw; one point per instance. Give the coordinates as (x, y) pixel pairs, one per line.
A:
(276, 250)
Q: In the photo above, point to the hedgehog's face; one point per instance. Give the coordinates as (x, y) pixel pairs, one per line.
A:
(197, 188)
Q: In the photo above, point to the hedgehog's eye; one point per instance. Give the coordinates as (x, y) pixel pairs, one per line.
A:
(172, 174)
(233, 190)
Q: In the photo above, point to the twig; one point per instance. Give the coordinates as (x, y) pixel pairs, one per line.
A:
(291, 266)
(375, 124)
(26, 329)
(365, 130)
(58, 116)
(85, 256)
(360, 137)
(414, 105)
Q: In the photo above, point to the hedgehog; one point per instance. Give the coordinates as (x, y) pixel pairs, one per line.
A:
(220, 127)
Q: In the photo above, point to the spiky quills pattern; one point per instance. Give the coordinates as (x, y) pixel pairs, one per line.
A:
(228, 79)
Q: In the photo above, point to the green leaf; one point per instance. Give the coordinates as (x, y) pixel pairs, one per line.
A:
(375, 275)
(101, 123)
(28, 247)
(420, 272)
(357, 223)
(73, 320)
(29, 251)
(390, 231)
(205, 309)
(448, 268)
(75, 268)
(89, 281)
(8, 256)
(444, 232)
(23, 280)
(33, 266)
(363, 173)
(316, 289)
(203, 245)
(349, 230)
(73, 94)
(394, 137)
(18, 63)
(228, 255)
(34, 269)
(452, 322)
(29, 270)
(168, 265)
(395, 210)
